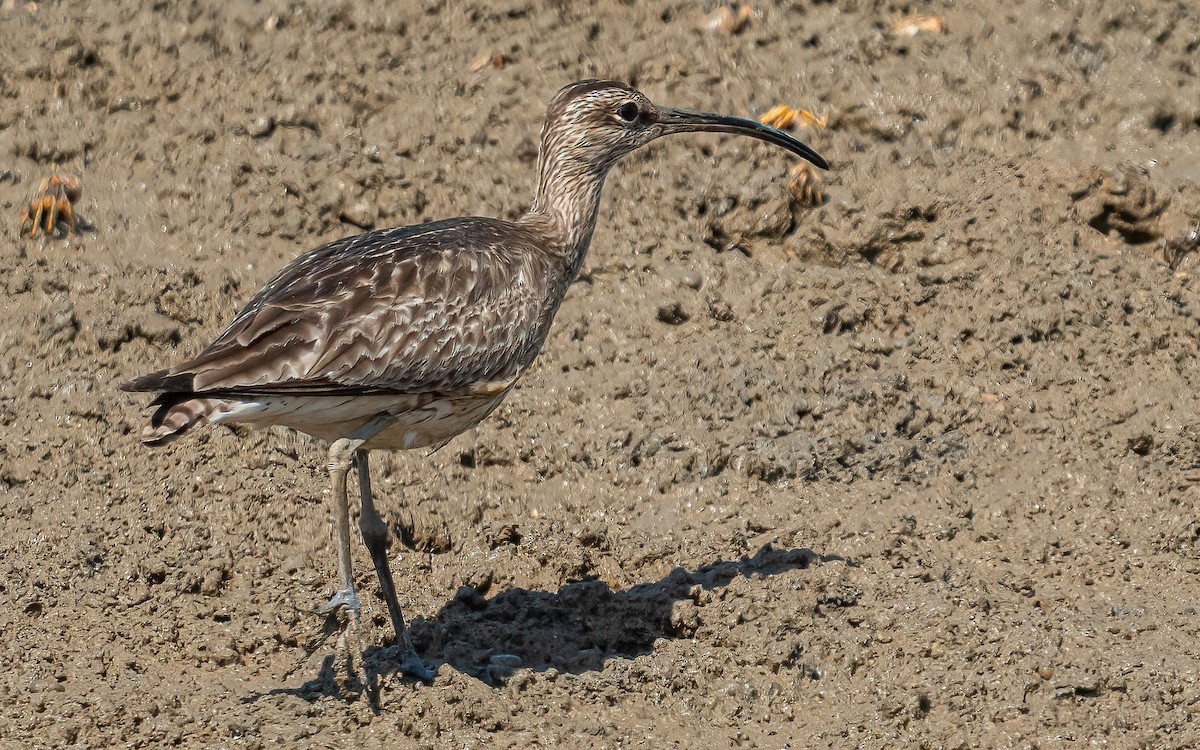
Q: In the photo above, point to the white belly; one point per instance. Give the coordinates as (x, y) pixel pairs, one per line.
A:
(421, 420)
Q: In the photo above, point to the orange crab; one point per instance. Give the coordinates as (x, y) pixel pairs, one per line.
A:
(784, 117)
(52, 204)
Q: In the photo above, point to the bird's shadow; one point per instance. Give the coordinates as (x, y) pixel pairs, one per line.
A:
(574, 630)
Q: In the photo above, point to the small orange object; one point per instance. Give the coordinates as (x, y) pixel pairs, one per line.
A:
(807, 118)
(783, 117)
(912, 25)
(51, 205)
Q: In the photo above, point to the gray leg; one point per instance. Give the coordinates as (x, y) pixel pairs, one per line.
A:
(375, 536)
(341, 453)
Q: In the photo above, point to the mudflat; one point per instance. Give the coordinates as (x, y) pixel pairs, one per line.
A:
(916, 467)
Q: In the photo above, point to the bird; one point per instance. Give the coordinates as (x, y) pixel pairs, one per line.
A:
(405, 337)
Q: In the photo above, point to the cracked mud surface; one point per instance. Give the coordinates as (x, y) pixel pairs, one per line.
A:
(917, 467)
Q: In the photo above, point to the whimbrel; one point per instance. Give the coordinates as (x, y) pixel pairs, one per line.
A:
(404, 338)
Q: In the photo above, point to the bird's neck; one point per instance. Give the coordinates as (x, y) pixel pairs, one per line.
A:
(565, 207)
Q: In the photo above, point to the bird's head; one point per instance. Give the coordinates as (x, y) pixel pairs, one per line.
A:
(596, 123)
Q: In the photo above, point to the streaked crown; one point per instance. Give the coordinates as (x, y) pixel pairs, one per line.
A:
(598, 122)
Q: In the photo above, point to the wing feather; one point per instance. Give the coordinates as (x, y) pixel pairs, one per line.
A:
(434, 308)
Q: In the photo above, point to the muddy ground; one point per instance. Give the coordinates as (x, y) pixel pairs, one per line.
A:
(914, 468)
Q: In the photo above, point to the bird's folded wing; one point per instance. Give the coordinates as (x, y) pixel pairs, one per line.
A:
(439, 307)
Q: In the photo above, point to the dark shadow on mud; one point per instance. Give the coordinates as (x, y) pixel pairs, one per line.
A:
(582, 625)
(575, 630)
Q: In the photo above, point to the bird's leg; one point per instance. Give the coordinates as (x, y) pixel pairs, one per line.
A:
(341, 453)
(375, 536)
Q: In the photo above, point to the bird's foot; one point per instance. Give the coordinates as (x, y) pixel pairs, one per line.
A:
(415, 666)
(345, 603)
(343, 598)
(410, 662)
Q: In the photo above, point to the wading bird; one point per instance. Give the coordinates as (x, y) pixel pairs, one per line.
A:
(404, 338)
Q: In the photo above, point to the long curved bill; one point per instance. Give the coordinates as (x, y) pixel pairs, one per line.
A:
(675, 120)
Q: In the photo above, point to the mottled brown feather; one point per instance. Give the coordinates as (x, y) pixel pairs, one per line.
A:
(425, 309)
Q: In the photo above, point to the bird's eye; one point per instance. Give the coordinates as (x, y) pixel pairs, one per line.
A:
(628, 112)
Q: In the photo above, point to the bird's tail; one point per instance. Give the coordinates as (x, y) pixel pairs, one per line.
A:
(176, 414)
